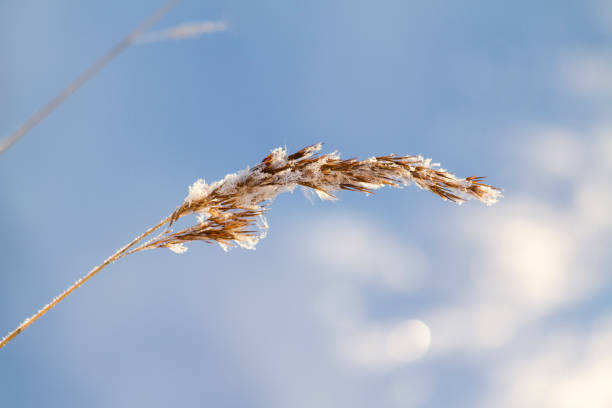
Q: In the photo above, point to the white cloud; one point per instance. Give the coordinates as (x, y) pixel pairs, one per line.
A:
(354, 253)
(522, 256)
(594, 201)
(524, 260)
(529, 256)
(361, 251)
(341, 307)
(603, 146)
(369, 345)
(382, 346)
(593, 195)
(554, 150)
(525, 254)
(365, 348)
(409, 391)
(566, 369)
(408, 341)
(478, 326)
(587, 74)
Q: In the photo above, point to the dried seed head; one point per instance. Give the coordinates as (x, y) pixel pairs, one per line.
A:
(228, 210)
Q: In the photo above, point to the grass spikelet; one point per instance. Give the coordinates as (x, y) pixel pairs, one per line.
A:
(231, 211)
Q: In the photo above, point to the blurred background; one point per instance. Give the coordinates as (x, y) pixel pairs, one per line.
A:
(395, 300)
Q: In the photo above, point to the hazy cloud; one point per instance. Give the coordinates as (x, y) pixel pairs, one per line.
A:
(587, 73)
(361, 251)
(568, 368)
(530, 256)
(357, 253)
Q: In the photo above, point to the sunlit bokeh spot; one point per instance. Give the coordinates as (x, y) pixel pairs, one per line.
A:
(408, 340)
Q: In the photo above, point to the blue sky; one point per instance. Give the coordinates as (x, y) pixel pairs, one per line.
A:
(513, 301)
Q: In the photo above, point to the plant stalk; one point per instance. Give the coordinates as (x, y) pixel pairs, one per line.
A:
(84, 77)
(117, 255)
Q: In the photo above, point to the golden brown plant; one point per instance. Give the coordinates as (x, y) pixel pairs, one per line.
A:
(230, 211)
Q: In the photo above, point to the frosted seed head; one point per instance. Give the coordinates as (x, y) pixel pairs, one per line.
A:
(229, 211)
(197, 191)
(178, 248)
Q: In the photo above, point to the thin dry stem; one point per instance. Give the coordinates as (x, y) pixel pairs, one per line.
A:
(84, 77)
(230, 211)
(117, 255)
